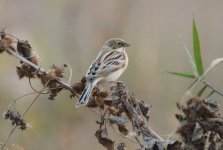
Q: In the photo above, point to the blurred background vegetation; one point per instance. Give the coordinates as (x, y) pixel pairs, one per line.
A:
(73, 31)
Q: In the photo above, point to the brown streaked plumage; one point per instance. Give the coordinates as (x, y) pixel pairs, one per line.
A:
(110, 63)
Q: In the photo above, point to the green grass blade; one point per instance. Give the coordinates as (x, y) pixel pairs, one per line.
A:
(191, 60)
(202, 91)
(197, 50)
(182, 74)
(213, 65)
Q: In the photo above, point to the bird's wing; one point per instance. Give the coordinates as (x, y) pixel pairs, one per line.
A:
(105, 64)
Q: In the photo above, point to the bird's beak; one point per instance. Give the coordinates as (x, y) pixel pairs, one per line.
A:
(127, 45)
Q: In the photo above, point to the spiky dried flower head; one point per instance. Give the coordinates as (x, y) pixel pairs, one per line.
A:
(50, 77)
(15, 118)
(199, 119)
(5, 42)
(25, 50)
(25, 71)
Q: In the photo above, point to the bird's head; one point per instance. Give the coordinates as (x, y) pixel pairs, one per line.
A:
(116, 43)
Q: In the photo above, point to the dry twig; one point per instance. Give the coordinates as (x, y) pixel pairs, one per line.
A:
(121, 108)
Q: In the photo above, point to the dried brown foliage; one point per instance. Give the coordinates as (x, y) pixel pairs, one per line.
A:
(50, 78)
(15, 118)
(78, 87)
(25, 71)
(201, 127)
(5, 41)
(25, 50)
(130, 116)
(121, 146)
(104, 139)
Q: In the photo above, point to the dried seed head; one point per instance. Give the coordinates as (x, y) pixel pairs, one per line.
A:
(92, 104)
(54, 72)
(25, 50)
(104, 139)
(15, 118)
(49, 79)
(199, 119)
(78, 87)
(25, 71)
(99, 96)
(144, 108)
(5, 43)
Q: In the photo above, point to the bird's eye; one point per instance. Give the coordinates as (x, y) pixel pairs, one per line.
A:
(119, 43)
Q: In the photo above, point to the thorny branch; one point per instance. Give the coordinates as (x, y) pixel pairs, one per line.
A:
(39, 70)
(52, 79)
(118, 107)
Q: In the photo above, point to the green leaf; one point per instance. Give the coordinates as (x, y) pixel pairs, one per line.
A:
(202, 91)
(182, 74)
(197, 50)
(191, 60)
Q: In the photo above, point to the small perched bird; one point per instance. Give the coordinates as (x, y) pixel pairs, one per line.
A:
(110, 63)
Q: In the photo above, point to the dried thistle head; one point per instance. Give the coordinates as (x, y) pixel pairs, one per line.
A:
(25, 50)
(200, 118)
(25, 71)
(78, 87)
(200, 108)
(50, 77)
(5, 43)
(104, 139)
(15, 118)
(53, 73)
(97, 98)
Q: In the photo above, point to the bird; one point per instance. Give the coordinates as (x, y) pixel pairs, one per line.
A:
(108, 66)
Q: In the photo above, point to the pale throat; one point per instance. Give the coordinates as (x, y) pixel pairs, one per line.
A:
(120, 49)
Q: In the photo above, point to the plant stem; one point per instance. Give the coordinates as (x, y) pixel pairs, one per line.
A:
(39, 69)
(211, 87)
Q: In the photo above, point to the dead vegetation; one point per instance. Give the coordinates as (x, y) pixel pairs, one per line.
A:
(200, 124)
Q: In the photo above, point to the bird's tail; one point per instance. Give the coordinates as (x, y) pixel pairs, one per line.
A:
(83, 100)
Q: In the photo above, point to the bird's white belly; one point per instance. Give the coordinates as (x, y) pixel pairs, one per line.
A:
(115, 75)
